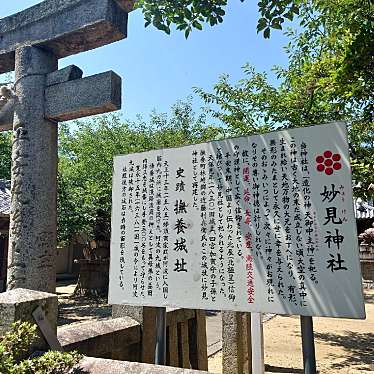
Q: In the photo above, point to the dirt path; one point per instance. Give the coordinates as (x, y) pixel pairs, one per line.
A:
(79, 309)
(343, 346)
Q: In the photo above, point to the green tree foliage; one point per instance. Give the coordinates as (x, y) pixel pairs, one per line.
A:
(187, 15)
(5, 140)
(5, 155)
(330, 77)
(335, 52)
(86, 158)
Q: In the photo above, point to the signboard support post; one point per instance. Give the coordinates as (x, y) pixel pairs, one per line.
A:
(160, 351)
(307, 337)
(258, 365)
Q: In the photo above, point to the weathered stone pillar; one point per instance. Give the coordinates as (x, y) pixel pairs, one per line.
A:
(33, 222)
(236, 343)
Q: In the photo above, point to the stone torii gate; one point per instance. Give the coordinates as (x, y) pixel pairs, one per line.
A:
(31, 42)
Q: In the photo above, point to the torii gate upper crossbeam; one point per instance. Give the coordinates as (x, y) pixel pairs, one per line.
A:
(63, 27)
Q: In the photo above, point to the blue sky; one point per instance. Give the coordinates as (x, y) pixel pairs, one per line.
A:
(158, 69)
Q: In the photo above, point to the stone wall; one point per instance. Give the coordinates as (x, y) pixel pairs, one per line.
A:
(99, 366)
(117, 338)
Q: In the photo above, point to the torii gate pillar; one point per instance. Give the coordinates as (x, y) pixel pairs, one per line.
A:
(33, 223)
(31, 42)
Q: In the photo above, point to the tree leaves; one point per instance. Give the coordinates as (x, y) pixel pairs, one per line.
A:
(273, 14)
(5, 155)
(197, 25)
(262, 23)
(188, 15)
(85, 184)
(329, 77)
(242, 107)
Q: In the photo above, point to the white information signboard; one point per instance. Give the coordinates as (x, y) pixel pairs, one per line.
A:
(262, 223)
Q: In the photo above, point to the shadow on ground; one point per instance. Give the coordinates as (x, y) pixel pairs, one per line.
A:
(278, 369)
(359, 345)
(82, 309)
